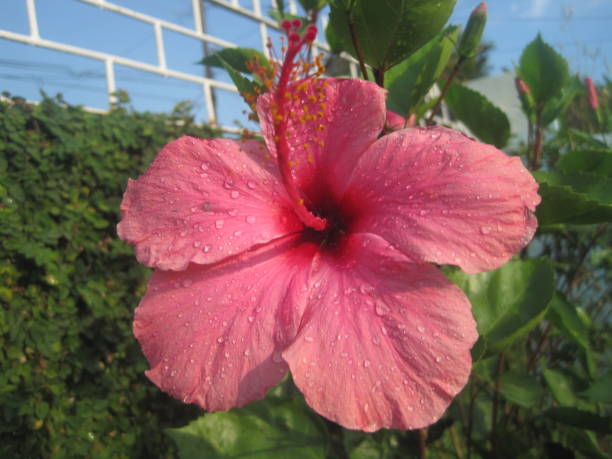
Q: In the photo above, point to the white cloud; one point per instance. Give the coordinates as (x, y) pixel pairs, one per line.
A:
(537, 8)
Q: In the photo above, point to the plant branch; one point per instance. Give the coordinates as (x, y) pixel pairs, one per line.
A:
(423, 443)
(357, 47)
(447, 86)
(500, 370)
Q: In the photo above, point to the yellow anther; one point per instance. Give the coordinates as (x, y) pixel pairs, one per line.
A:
(309, 158)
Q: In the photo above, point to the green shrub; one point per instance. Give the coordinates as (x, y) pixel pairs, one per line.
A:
(71, 374)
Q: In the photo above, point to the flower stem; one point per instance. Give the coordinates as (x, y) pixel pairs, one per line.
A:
(447, 86)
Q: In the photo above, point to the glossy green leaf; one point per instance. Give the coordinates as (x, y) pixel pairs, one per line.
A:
(557, 106)
(576, 198)
(509, 301)
(312, 4)
(486, 121)
(544, 71)
(236, 58)
(520, 388)
(583, 441)
(409, 81)
(387, 31)
(595, 161)
(565, 317)
(580, 418)
(601, 390)
(267, 429)
(560, 386)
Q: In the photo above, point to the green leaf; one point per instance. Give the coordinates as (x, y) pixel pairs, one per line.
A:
(267, 429)
(312, 4)
(595, 161)
(544, 71)
(486, 121)
(509, 301)
(580, 418)
(565, 317)
(576, 198)
(409, 81)
(387, 31)
(520, 388)
(557, 106)
(244, 85)
(600, 391)
(561, 387)
(236, 58)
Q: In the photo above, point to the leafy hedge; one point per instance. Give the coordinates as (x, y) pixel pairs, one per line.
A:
(71, 375)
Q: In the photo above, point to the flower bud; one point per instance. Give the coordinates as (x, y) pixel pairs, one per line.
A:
(525, 95)
(470, 38)
(592, 93)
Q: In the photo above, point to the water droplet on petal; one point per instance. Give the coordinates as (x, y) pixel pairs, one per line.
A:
(366, 363)
(247, 352)
(485, 229)
(187, 282)
(219, 224)
(220, 339)
(206, 248)
(381, 309)
(250, 219)
(251, 184)
(309, 339)
(235, 194)
(197, 244)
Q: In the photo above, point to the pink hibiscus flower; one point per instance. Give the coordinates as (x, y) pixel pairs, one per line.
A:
(314, 254)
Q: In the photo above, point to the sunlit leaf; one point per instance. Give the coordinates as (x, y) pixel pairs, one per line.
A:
(387, 31)
(267, 429)
(509, 301)
(409, 81)
(485, 120)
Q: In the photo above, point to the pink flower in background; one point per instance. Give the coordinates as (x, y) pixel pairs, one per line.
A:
(592, 93)
(314, 254)
(395, 121)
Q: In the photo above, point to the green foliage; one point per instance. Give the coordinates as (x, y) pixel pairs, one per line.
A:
(268, 429)
(71, 374)
(410, 81)
(387, 31)
(544, 71)
(509, 301)
(486, 121)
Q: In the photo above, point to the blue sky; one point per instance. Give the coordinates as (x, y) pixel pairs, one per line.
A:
(578, 29)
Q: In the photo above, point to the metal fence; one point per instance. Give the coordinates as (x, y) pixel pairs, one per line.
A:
(208, 83)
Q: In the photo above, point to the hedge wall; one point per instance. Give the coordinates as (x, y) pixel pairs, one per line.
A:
(71, 374)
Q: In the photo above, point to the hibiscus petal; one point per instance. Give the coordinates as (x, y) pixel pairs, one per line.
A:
(383, 342)
(213, 335)
(442, 197)
(332, 122)
(203, 200)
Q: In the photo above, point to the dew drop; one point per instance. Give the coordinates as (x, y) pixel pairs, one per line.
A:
(187, 282)
(205, 165)
(219, 224)
(381, 309)
(251, 319)
(197, 244)
(366, 363)
(485, 229)
(206, 248)
(250, 219)
(246, 352)
(421, 329)
(220, 339)
(251, 184)
(234, 194)
(309, 339)
(232, 212)
(438, 359)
